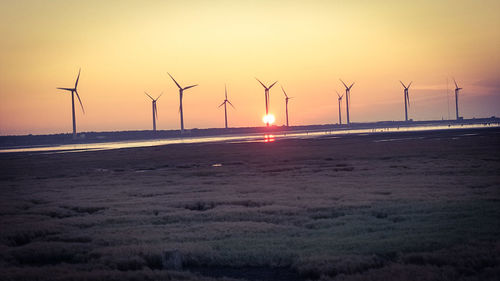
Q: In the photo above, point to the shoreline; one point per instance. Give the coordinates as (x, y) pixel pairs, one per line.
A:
(253, 137)
(99, 137)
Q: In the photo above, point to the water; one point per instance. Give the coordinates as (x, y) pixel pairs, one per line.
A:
(236, 138)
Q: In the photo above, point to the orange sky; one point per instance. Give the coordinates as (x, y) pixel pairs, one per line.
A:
(126, 47)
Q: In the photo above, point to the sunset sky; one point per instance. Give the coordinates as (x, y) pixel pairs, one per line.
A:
(127, 47)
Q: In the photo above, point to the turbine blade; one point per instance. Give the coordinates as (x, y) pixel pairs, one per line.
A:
(456, 86)
(156, 112)
(225, 91)
(221, 104)
(66, 89)
(261, 83)
(272, 85)
(78, 78)
(408, 99)
(231, 104)
(188, 87)
(351, 86)
(284, 92)
(410, 84)
(402, 84)
(337, 93)
(149, 96)
(159, 96)
(78, 96)
(174, 81)
(343, 83)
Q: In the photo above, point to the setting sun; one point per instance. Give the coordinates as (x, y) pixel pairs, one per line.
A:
(268, 119)
(309, 46)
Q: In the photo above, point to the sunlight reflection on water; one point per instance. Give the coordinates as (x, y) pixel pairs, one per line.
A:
(269, 138)
(236, 138)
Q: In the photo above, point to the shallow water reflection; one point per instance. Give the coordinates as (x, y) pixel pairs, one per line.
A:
(267, 138)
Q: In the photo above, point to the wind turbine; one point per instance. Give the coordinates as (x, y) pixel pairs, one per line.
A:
(266, 92)
(407, 98)
(347, 97)
(457, 89)
(286, 104)
(181, 92)
(226, 101)
(155, 111)
(73, 92)
(340, 106)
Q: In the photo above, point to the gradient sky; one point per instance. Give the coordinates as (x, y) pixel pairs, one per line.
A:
(127, 47)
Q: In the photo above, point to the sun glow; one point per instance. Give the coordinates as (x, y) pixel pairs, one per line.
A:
(310, 45)
(268, 119)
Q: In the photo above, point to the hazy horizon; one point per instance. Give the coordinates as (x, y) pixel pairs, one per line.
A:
(125, 48)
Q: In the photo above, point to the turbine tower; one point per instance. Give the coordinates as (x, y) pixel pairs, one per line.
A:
(181, 92)
(266, 92)
(286, 104)
(457, 89)
(73, 92)
(407, 98)
(155, 111)
(340, 106)
(347, 97)
(225, 102)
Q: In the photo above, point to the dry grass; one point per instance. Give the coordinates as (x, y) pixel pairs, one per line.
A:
(352, 208)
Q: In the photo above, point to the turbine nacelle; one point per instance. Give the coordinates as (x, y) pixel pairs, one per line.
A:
(181, 90)
(340, 96)
(286, 96)
(75, 90)
(456, 86)
(407, 96)
(404, 86)
(226, 100)
(345, 85)
(153, 99)
(179, 86)
(267, 88)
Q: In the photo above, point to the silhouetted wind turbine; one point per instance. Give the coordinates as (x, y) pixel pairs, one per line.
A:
(407, 98)
(286, 104)
(155, 111)
(181, 92)
(266, 92)
(340, 106)
(73, 92)
(457, 89)
(225, 102)
(347, 97)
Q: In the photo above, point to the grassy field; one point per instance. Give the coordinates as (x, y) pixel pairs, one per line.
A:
(399, 206)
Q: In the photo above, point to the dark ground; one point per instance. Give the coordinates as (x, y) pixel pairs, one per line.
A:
(398, 206)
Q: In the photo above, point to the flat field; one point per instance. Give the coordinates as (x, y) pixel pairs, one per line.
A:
(395, 206)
